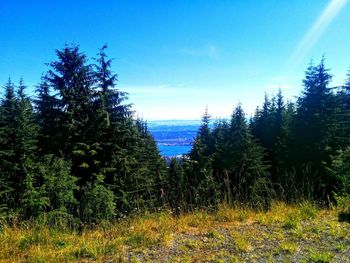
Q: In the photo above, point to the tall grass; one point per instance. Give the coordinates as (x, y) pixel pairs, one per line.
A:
(42, 241)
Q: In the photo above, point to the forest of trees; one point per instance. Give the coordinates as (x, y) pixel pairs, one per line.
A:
(75, 152)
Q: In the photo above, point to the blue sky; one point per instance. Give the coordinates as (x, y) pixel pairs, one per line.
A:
(176, 57)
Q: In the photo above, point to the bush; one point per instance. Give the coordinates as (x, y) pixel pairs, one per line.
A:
(97, 203)
(343, 203)
(308, 210)
(59, 183)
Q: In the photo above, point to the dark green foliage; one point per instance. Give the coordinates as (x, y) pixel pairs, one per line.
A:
(146, 168)
(76, 152)
(18, 145)
(8, 165)
(343, 114)
(80, 152)
(97, 202)
(204, 189)
(48, 115)
(33, 200)
(271, 126)
(177, 185)
(242, 163)
(340, 168)
(314, 129)
(59, 184)
(226, 164)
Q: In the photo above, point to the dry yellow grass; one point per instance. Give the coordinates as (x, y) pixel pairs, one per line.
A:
(228, 235)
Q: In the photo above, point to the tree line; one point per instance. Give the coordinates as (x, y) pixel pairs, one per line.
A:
(286, 151)
(75, 152)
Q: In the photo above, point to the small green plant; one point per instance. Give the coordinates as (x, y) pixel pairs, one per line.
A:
(199, 219)
(241, 243)
(340, 247)
(214, 234)
(320, 257)
(343, 203)
(136, 240)
(25, 242)
(291, 223)
(192, 244)
(288, 247)
(36, 236)
(243, 215)
(60, 244)
(85, 252)
(308, 210)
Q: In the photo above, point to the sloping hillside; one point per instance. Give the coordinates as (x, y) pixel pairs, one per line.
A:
(284, 234)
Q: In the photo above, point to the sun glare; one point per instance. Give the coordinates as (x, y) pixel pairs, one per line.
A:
(316, 31)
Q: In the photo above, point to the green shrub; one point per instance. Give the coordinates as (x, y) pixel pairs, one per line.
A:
(292, 222)
(97, 203)
(85, 252)
(308, 210)
(343, 203)
(321, 257)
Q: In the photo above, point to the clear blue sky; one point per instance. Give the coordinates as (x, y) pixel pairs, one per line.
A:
(176, 57)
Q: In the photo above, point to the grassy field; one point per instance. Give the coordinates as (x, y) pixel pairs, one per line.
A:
(299, 233)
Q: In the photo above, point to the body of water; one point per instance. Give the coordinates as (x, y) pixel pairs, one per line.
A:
(173, 150)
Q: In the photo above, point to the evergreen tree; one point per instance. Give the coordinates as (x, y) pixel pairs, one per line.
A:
(73, 79)
(48, 114)
(108, 98)
(59, 184)
(340, 169)
(243, 167)
(97, 202)
(33, 200)
(25, 150)
(313, 128)
(112, 124)
(18, 146)
(204, 188)
(343, 114)
(263, 124)
(177, 186)
(8, 165)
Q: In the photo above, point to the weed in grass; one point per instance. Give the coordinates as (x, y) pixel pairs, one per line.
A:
(35, 237)
(36, 258)
(337, 230)
(199, 219)
(85, 252)
(192, 244)
(240, 242)
(224, 256)
(214, 234)
(25, 242)
(243, 215)
(227, 213)
(343, 204)
(137, 240)
(134, 259)
(291, 223)
(320, 257)
(110, 249)
(59, 244)
(183, 248)
(277, 214)
(315, 229)
(288, 247)
(184, 259)
(308, 211)
(340, 247)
